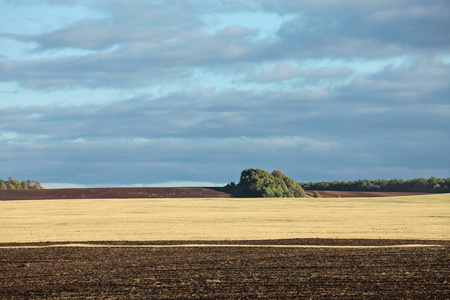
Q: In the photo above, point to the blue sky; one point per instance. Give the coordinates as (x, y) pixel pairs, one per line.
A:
(180, 92)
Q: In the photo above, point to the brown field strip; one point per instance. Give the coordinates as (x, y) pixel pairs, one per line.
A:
(214, 246)
(240, 272)
(115, 193)
(158, 192)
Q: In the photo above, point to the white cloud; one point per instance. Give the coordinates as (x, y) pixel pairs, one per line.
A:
(8, 137)
(280, 72)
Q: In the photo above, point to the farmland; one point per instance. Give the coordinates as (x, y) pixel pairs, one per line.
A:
(396, 247)
(407, 217)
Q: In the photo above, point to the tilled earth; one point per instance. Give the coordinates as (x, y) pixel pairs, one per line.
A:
(105, 193)
(125, 270)
(158, 192)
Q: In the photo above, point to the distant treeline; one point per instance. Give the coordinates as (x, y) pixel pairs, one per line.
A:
(416, 185)
(13, 184)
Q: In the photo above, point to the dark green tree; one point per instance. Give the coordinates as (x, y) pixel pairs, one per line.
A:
(38, 186)
(260, 183)
(423, 185)
(278, 174)
(13, 184)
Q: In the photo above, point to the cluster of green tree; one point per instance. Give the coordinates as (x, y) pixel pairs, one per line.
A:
(416, 185)
(260, 183)
(13, 184)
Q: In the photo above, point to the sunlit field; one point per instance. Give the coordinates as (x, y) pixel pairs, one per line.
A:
(407, 217)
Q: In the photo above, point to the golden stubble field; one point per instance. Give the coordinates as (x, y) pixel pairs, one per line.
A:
(425, 217)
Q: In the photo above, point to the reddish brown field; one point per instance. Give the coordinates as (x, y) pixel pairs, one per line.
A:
(356, 194)
(111, 193)
(157, 192)
(229, 272)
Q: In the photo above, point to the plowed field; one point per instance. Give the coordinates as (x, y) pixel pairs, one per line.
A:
(357, 194)
(158, 192)
(113, 193)
(236, 272)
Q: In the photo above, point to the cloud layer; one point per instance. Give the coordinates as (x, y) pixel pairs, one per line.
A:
(332, 91)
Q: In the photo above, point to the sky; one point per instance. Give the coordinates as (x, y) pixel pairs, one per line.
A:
(107, 93)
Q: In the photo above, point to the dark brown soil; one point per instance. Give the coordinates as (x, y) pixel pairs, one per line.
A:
(357, 194)
(229, 273)
(109, 193)
(156, 192)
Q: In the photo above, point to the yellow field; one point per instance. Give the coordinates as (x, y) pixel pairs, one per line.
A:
(408, 217)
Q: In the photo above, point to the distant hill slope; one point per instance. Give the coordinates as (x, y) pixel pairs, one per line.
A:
(357, 194)
(106, 193)
(156, 192)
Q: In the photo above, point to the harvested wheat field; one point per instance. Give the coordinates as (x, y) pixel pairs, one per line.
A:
(371, 248)
(409, 217)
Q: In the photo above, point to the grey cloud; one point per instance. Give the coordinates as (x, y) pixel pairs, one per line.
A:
(420, 26)
(394, 121)
(202, 136)
(286, 72)
(406, 97)
(87, 34)
(154, 160)
(386, 31)
(409, 84)
(134, 64)
(354, 109)
(314, 6)
(102, 69)
(128, 22)
(279, 73)
(166, 42)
